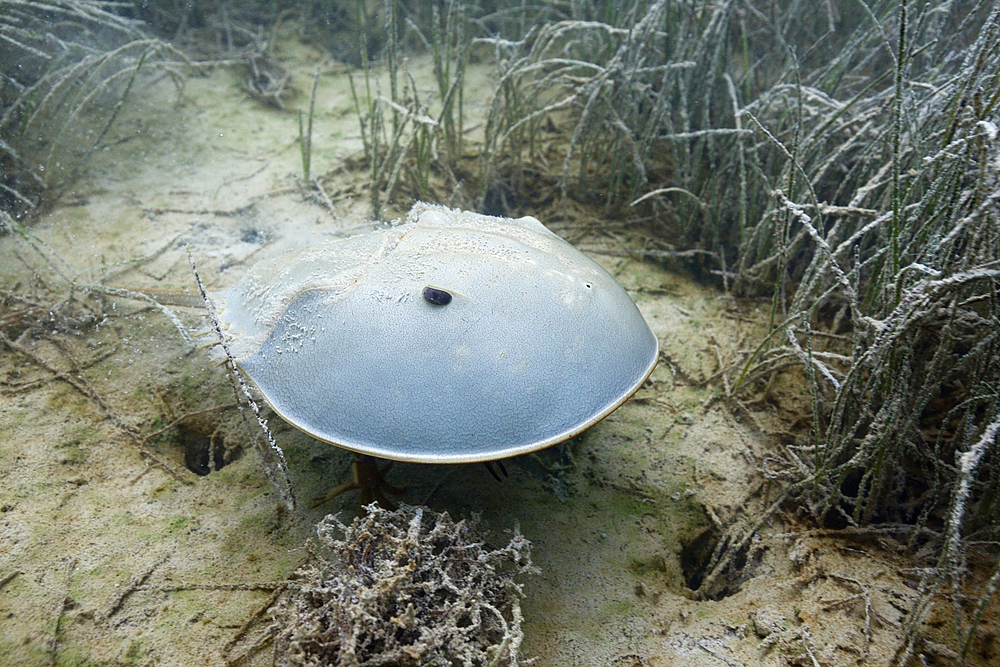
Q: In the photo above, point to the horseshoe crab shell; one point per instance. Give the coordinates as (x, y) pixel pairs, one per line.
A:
(451, 338)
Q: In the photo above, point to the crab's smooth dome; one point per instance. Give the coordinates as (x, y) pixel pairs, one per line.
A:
(535, 344)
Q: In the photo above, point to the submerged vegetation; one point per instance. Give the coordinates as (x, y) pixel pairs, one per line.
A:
(406, 587)
(846, 164)
(66, 69)
(840, 160)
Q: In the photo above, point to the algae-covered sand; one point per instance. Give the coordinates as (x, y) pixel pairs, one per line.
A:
(114, 551)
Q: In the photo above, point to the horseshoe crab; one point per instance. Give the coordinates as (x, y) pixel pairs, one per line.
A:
(450, 338)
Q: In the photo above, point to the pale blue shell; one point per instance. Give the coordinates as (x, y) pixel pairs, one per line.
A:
(537, 344)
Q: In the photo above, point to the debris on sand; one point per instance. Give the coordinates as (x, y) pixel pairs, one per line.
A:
(404, 587)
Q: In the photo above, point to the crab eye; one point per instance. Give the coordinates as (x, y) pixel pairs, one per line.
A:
(437, 296)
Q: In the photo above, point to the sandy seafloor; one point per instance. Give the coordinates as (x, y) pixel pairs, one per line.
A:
(612, 515)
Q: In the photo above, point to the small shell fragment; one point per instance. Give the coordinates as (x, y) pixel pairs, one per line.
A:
(349, 340)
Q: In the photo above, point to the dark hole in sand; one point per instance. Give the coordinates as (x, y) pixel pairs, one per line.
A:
(205, 450)
(696, 556)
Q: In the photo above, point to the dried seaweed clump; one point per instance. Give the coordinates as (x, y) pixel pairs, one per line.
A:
(408, 587)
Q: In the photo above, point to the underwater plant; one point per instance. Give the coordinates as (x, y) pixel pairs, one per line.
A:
(66, 69)
(843, 163)
(407, 587)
